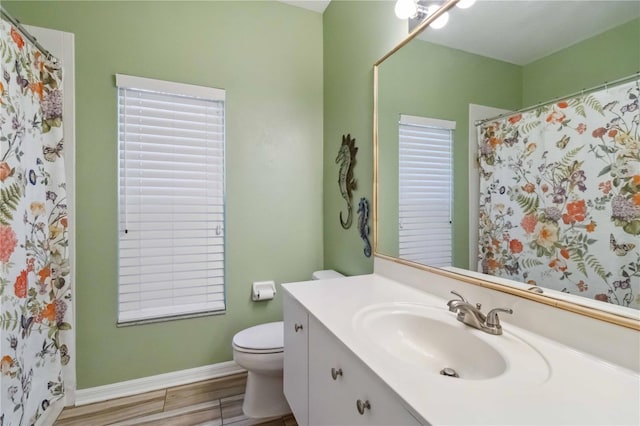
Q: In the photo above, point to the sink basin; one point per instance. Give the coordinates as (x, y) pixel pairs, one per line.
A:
(432, 338)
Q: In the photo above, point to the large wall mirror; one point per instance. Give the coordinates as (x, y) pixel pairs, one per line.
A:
(494, 63)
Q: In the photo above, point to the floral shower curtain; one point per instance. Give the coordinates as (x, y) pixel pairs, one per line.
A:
(560, 196)
(35, 290)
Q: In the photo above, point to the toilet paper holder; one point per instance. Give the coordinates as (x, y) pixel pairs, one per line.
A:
(263, 290)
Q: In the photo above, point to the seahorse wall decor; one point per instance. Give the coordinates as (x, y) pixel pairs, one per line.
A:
(347, 160)
(363, 224)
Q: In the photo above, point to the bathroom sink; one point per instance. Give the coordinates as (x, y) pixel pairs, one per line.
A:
(431, 338)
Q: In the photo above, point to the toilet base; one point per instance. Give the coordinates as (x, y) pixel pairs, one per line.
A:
(264, 396)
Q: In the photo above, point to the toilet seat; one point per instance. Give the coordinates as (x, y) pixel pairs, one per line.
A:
(261, 339)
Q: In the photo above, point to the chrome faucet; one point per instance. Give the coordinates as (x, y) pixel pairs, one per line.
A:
(472, 316)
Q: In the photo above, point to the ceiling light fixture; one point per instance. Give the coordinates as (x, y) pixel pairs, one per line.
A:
(441, 21)
(416, 11)
(419, 10)
(406, 9)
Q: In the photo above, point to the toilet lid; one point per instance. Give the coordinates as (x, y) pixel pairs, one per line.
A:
(263, 337)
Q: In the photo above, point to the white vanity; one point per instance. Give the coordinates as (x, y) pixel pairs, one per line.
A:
(369, 350)
(325, 383)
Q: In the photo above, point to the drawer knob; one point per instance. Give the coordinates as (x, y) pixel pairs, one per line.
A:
(297, 327)
(335, 373)
(362, 406)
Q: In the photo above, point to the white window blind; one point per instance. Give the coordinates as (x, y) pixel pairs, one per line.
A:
(171, 148)
(425, 190)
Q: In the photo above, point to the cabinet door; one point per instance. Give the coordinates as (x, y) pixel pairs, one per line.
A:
(337, 380)
(296, 379)
(330, 402)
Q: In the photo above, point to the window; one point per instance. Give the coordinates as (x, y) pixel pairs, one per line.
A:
(425, 190)
(171, 144)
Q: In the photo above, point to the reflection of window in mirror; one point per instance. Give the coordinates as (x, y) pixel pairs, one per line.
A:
(425, 190)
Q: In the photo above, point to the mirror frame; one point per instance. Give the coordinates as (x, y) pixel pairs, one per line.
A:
(560, 304)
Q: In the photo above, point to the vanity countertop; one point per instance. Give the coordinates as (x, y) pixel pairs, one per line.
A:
(578, 389)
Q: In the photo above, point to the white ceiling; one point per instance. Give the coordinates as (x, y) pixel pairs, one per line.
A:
(315, 5)
(523, 31)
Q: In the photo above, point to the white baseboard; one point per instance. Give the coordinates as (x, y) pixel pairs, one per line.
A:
(151, 383)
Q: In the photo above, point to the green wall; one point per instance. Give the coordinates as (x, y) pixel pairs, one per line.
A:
(356, 34)
(268, 57)
(608, 56)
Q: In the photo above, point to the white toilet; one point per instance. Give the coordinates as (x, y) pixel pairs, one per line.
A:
(260, 350)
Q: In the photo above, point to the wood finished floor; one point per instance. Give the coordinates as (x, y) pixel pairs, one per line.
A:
(212, 402)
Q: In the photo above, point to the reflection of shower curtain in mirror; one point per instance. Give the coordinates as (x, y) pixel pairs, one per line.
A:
(560, 196)
(35, 319)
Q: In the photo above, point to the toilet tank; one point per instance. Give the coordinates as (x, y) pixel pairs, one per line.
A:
(326, 274)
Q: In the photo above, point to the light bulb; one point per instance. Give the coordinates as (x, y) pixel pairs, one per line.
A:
(406, 9)
(464, 4)
(442, 19)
